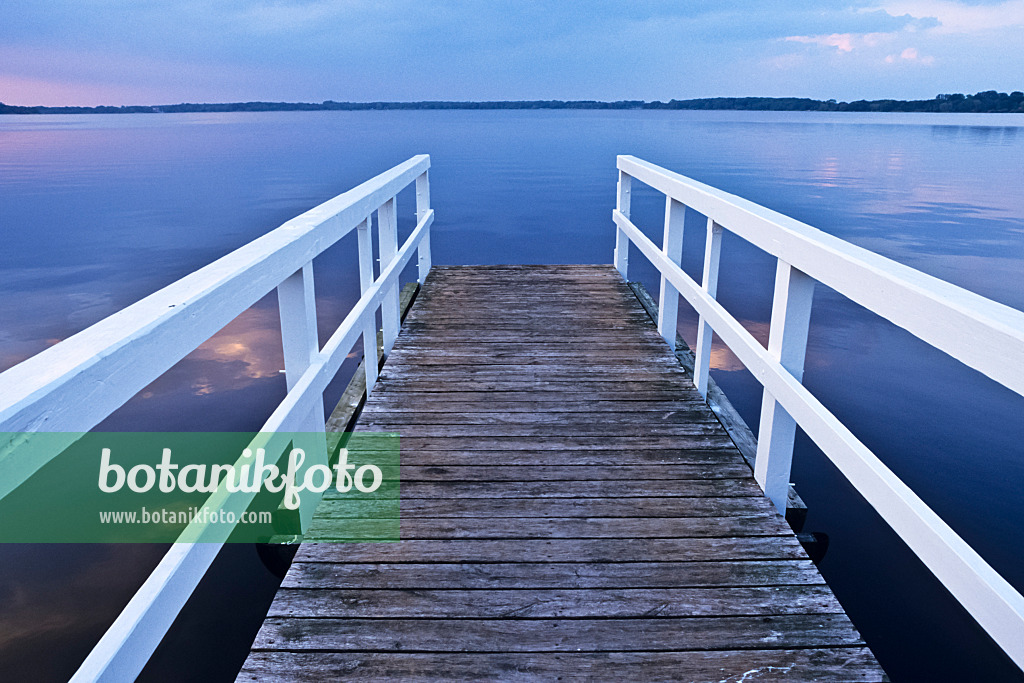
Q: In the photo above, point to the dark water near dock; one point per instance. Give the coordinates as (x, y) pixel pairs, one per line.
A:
(99, 211)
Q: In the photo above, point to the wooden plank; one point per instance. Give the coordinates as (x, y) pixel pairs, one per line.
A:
(564, 384)
(594, 299)
(566, 550)
(549, 363)
(566, 282)
(425, 528)
(484, 296)
(496, 472)
(530, 268)
(463, 352)
(448, 404)
(598, 429)
(633, 488)
(574, 338)
(522, 508)
(540, 323)
(377, 416)
(496, 299)
(535, 280)
(566, 397)
(557, 635)
(564, 443)
(554, 575)
(558, 603)
(549, 325)
(597, 457)
(528, 317)
(553, 372)
(570, 310)
(852, 664)
(534, 272)
(518, 275)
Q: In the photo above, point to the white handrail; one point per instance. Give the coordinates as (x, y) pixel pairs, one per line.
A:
(74, 385)
(989, 336)
(887, 288)
(106, 364)
(132, 638)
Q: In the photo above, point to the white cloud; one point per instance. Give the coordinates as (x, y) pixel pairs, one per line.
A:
(841, 41)
(910, 54)
(874, 45)
(959, 17)
(844, 42)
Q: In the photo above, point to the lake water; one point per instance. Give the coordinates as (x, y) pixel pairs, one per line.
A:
(99, 211)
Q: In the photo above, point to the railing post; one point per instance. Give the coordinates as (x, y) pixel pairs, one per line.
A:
(672, 246)
(387, 226)
(297, 305)
(422, 207)
(621, 241)
(702, 357)
(787, 342)
(370, 360)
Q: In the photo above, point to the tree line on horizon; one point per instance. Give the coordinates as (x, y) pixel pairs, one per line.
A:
(988, 101)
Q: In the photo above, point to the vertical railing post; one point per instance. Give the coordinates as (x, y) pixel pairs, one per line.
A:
(387, 236)
(672, 246)
(370, 361)
(787, 343)
(702, 356)
(422, 207)
(621, 240)
(297, 305)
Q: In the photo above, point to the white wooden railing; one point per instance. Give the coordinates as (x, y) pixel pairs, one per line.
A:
(74, 385)
(978, 332)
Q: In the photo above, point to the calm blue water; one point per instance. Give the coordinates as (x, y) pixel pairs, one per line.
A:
(97, 212)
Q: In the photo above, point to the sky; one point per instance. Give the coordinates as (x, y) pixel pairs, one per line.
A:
(90, 52)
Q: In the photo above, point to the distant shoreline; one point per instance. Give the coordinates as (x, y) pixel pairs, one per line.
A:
(985, 102)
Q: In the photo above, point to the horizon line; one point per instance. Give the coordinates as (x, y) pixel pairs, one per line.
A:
(987, 101)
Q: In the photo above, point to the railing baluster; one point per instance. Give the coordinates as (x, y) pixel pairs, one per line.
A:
(621, 241)
(422, 207)
(387, 226)
(297, 305)
(787, 342)
(922, 305)
(702, 357)
(672, 246)
(363, 231)
(156, 332)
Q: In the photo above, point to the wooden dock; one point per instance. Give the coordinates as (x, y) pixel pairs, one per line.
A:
(571, 508)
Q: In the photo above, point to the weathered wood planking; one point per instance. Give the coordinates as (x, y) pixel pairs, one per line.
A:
(571, 508)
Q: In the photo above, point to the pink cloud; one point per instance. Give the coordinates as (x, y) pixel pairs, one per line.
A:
(911, 54)
(844, 42)
(841, 41)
